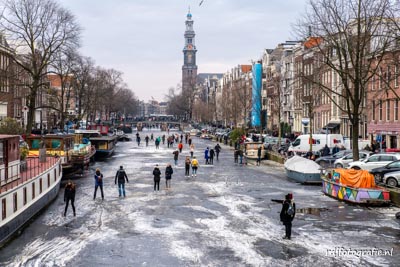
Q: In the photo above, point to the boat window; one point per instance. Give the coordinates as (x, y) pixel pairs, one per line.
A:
(55, 144)
(35, 144)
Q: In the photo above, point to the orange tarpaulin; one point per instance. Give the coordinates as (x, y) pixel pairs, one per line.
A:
(356, 178)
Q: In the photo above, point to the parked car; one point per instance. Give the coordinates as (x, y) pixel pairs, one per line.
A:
(327, 161)
(344, 161)
(374, 161)
(392, 179)
(381, 171)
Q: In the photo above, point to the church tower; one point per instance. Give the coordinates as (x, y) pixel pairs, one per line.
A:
(189, 68)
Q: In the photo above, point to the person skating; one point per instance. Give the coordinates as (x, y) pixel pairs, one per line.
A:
(151, 137)
(168, 176)
(176, 154)
(217, 149)
(69, 195)
(180, 147)
(157, 178)
(191, 150)
(195, 165)
(147, 140)
(163, 139)
(138, 140)
(187, 166)
(241, 156)
(236, 156)
(190, 141)
(212, 156)
(206, 155)
(258, 155)
(287, 215)
(98, 182)
(157, 142)
(121, 176)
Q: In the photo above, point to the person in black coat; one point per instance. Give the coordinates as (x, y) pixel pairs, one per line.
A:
(286, 216)
(217, 150)
(121, 176)
(157, 178)
(168, 175)
(69, 195)
(212, 153)
(258, 155)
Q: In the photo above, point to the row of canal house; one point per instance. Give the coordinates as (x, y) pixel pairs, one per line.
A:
(14, 88)
(290, 96)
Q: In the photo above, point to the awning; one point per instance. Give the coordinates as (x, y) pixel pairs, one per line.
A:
(332, 125)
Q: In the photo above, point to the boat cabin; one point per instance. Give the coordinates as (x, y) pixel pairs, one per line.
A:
(9, 158)
(60, 145)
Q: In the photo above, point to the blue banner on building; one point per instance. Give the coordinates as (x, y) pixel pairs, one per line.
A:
(256, 95)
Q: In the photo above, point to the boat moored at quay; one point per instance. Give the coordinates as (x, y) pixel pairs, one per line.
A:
(354, 186)
(25, 187)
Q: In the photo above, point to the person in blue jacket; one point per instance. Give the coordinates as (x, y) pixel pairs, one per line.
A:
(98, 182)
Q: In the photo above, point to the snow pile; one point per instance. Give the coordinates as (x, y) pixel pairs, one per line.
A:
(303, 165)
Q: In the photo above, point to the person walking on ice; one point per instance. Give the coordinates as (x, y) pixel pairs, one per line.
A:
(121, 176)
(69, 195)
(187, 166)
(98, 182)
(168, 176)
(195, 165)
(287, 215)
(157, 178)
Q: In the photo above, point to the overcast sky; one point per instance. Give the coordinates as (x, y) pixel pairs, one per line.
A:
(144, 38)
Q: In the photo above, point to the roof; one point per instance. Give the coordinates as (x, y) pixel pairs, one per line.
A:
(246, 68)
(312, 42)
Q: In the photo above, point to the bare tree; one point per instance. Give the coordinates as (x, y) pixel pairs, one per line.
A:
(38, 29)
(62, 66)
(83, 83)
(352, 33)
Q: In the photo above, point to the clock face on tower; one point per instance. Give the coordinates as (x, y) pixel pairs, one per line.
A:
(190, 47)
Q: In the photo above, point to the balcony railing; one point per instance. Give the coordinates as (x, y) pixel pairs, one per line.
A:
(23, 172)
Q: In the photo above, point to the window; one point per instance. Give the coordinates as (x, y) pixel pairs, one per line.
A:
(24, 196)
(48, 180)
(388, 110)
(40, 185)
(33, 190)
(396, 77)
(373, 110)
(380, 110)
(15, 202)
(386, 158)
(3, 209)
(373, 159)
(396, 110)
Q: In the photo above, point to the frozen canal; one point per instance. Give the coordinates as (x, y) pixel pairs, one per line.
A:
(223, 217)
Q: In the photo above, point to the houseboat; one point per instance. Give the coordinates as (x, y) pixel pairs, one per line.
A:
(354, 186)
(24, 191)
(54, 145)
(83, 152)
(104, 145)
(251, 150)
(303, 170)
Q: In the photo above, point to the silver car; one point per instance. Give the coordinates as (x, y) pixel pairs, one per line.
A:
(374, 161)
(344, 161)
(392, 178)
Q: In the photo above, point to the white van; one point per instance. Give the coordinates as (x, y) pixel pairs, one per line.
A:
(302, 142)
